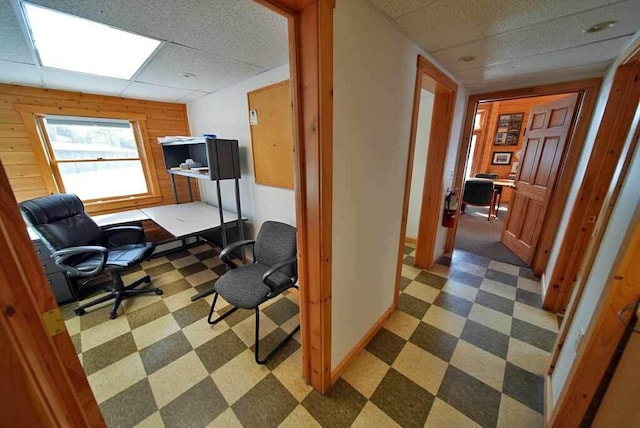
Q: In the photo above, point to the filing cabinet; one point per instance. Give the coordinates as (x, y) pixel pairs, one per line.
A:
(58, 281)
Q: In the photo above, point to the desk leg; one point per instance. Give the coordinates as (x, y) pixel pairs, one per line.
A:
(173, 187)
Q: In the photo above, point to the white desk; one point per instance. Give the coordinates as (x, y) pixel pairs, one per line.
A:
(119, 218)
(188, 219)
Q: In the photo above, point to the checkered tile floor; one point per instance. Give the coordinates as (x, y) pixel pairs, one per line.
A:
(467, 347)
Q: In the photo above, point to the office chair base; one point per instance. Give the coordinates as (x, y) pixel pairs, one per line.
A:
(120, 292)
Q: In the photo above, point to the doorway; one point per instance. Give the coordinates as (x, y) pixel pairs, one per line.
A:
(503, 204)
(543, 198)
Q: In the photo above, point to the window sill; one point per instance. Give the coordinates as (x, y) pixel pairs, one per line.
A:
(114, 205)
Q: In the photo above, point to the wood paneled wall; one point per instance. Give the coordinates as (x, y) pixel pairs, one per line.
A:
(18, 151)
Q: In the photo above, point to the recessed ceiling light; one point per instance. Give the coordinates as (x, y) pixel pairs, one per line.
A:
(186, 75)
(77, 44)
(466, 58)
(601, 26)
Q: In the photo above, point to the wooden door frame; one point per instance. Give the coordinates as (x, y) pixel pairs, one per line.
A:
(610, 140)
(443, 106)
(49, 357)
(601, 338)
(439, 134)
(605, 330)
(588, 90)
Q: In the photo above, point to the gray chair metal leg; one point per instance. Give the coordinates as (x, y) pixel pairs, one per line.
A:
(274, 350)
(221, 317)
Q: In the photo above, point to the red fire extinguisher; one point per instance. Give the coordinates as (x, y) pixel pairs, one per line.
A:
(450, 209)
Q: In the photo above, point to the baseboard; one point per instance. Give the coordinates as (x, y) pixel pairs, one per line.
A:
(346, 362)
(548, 399)
(411, 241)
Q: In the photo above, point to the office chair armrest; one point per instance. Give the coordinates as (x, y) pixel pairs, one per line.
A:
(276, 288)
(226, 252)
(109, 232)
(61, 256)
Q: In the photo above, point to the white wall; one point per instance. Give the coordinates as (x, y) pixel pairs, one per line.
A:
(225, 113)
(374, 77)
(419, 162)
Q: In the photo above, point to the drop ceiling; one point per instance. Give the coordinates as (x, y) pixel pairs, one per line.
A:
(221, 42)
(516, 43)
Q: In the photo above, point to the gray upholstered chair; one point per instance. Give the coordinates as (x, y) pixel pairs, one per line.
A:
(273, 271)
(479, 192)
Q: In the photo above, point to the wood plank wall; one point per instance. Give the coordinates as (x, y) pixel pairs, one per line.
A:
(17, 151)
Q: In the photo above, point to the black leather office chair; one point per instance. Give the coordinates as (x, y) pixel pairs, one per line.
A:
(82, 250)
(480, 192)
(497, 189)
(273, 271)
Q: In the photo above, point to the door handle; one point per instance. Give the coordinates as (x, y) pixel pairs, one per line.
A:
(621, 312)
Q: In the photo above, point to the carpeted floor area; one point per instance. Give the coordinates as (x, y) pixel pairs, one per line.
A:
(479, 236)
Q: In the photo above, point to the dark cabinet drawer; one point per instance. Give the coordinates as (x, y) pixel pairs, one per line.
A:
(60, 287)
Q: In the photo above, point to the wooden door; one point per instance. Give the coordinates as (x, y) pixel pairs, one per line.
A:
(43, 383)
(542, 153)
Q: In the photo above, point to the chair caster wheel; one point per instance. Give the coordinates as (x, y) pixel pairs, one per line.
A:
(159, 292)
(147, 280)
(113, 315)
(79, 311)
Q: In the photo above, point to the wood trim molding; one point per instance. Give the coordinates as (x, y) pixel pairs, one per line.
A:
(444, 104)
(588, 89)
(610, 200)
(602, 336)
(362, 343)
(607, 149)
(35, 109)
(432, 192)
(56, 378)
(311, 63)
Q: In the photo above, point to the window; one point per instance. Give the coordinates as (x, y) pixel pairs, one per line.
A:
(95, 158)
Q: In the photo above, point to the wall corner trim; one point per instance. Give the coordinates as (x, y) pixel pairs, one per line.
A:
(362, 343)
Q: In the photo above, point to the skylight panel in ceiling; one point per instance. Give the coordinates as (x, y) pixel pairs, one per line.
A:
(77, 44)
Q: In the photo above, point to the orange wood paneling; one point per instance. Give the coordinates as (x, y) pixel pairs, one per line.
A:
(22, 153)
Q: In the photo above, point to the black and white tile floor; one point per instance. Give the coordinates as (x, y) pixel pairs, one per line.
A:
(467, 347)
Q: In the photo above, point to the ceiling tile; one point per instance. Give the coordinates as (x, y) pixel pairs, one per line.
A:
(145, 91)
(211, 72)
(19, 74)
(397, 8)
(80, 82)
(544, 37)
(14, 46)
(540, 78)
(593, 53)
(194, 95)
(239, 29)
(442, 25)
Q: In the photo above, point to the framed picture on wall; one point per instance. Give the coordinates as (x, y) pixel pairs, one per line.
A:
(508, 131)
(501, 158)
